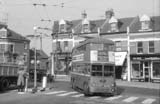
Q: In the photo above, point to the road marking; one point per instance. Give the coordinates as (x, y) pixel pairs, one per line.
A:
(79, 95)
(113, 98)
(130, 99)
(65, 94)
(94, 97)
(148, 101)
(55, 92)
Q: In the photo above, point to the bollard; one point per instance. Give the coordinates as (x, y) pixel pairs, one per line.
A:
(44, 83)
(26, 85)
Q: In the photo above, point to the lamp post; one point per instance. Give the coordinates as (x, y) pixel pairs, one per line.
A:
(52, 67)
(128, 55)
(35, 58)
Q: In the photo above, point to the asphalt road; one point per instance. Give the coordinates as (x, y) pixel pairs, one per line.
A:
(61, 93)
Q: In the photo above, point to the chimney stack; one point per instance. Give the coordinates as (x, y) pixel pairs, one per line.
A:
(84, 14)
(109, 13)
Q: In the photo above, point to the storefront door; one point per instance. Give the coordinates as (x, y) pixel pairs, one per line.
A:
(147, 70)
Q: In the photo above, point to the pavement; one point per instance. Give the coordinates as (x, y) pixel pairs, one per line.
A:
(119, 82)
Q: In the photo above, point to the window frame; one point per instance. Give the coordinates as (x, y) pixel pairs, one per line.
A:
(151, 47)
(139, 48)
(85, 28)
(113, 27)
(62, 28)
(118, 45)
(145, 25)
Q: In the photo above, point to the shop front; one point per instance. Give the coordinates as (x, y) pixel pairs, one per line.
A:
(62, 63)
(120, 65)
(145, 68)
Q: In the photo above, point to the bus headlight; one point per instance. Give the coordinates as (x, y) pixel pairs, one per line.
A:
(113, 84)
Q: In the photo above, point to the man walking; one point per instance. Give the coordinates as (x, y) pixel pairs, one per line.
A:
(21, 77)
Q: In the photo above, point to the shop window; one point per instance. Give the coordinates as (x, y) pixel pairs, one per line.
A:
(139, 47)
(151, 46)
(156, 69)
(137, 70)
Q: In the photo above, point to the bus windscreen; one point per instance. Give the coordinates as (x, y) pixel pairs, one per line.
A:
(108, 70)
(97, 70)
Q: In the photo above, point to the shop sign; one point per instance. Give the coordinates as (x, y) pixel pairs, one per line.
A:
(119, 58)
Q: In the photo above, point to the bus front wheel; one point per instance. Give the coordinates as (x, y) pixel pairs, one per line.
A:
(86, 89)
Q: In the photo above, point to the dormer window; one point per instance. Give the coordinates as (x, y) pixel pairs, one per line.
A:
(145, 23)
(85, 26)
(113, 25)
(62, 26)
(3, 33)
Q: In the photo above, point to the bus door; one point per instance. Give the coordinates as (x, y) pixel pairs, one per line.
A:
(97, 75)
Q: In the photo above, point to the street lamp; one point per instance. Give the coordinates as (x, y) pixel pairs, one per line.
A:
(35, 58)
(52, 56)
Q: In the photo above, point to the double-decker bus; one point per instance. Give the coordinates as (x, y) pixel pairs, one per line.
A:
(93, 66)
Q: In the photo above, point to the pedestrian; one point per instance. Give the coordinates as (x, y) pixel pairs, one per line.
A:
(21, 78)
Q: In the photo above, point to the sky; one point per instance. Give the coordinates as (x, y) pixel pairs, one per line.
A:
(23, 15)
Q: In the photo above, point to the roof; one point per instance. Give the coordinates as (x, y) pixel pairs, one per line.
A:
(40, 54)
(95, 40)
(103, 24)
(13, 35)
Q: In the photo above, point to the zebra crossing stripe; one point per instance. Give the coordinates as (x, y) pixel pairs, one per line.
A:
(65, 94)
(94, 97)
(113, 98)
(130, 99)
(55, 92)
(148, 101)
(79, 95)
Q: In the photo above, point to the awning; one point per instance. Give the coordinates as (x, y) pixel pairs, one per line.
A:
(119, 58)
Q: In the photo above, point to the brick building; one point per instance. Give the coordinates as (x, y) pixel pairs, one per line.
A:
(144, 39)
(12, 45)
